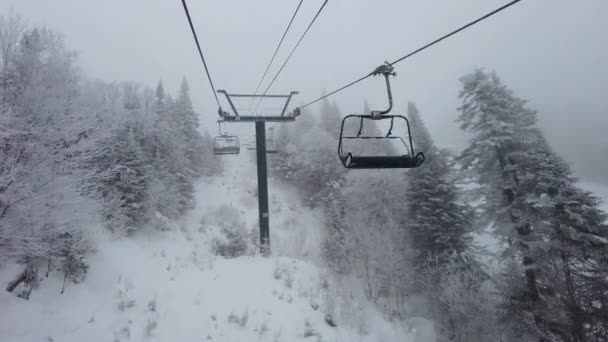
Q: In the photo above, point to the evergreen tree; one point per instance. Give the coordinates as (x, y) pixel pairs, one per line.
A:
(553, 229)
(160, 96)
(188, 128)
(330, 116)
(437, 221)
(439, 226)
(310, 160)
(501, 127)
(569, 242)
(120, 180)
(338, 246)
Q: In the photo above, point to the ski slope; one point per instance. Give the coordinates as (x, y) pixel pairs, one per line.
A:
(168, 286)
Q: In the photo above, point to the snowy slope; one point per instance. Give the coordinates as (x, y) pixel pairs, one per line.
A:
(169, 287)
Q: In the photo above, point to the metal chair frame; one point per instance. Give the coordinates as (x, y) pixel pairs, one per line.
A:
(407, 160)
(217, 149)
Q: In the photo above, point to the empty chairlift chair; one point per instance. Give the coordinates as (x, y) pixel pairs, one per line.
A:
(226, 144)
(402, 156)
(271, 145)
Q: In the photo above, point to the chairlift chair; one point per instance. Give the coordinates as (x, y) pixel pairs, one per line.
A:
(271, 145)
(404, 159)
(226, 144)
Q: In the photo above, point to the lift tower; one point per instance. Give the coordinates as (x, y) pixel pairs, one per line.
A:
(260, 144)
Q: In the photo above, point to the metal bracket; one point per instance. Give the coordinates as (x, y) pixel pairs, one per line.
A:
(296, 112)
(219, 128)
(222, 113)
(226, 116)
(386, 70)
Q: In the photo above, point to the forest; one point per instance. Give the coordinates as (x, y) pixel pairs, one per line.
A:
(75, 148)
(82, 157)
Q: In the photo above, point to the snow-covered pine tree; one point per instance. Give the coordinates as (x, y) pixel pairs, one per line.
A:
(438, 222)
(330, 119)
(439, 226)
(290, 136)
(310, 160)
(337, 247)
(501, 127)
(374, 235)
(554, 230)
(155, 113)
(340, 244)
(570, 244)
(159, 147)
(119, 178)
(185, 145)
(188, 125)
(316, 164)
(160, 96)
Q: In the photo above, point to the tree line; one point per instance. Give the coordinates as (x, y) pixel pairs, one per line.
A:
(411, 238)
(78, 154)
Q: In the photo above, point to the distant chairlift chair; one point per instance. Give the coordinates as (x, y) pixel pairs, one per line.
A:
(271, 145)
(406, 158)
(226, 144)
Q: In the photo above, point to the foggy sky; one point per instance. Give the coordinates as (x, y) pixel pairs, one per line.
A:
(551, 52)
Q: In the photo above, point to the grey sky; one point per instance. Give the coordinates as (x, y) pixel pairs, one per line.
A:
(552, 52)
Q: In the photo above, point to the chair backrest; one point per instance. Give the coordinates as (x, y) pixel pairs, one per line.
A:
(226, 144)
(355, 138)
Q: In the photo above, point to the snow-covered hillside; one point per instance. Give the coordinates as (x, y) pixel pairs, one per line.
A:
(169, 286)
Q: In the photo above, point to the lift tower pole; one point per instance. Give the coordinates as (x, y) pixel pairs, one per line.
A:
(260, 144)
(264, 215)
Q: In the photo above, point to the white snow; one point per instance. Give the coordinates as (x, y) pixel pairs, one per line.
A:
(490, 248)
(168, 286)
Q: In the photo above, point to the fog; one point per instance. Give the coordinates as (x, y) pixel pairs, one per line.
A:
(553, 53)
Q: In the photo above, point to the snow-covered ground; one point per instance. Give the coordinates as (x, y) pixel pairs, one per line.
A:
(168, 286)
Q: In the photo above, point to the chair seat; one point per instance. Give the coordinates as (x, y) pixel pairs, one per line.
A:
(379, 162)
(226, 150)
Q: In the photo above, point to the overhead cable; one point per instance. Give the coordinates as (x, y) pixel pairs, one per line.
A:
(293, 50)
(200, 52)
(278, 47)
(462, 28)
